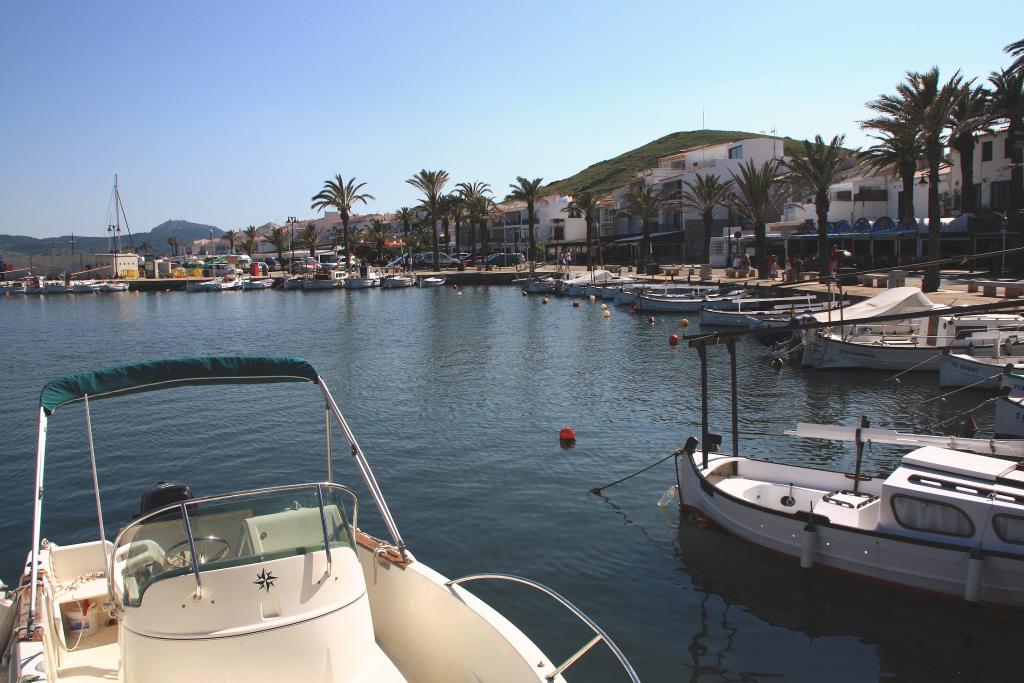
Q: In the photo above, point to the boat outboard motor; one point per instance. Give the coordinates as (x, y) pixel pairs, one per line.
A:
(163, 494)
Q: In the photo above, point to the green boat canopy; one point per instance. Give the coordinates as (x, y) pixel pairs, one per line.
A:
(174, 372)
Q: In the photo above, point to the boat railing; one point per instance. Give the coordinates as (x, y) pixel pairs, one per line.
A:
(599, 634)
(184, 506)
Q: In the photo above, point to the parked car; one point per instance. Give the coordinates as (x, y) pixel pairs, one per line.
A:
(272, 263)
(505, 259)
(426, 260)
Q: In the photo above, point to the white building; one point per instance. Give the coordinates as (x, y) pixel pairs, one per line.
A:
(555, 226)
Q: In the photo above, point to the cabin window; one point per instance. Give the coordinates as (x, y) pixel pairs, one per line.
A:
(1009, 529)
(931, 516)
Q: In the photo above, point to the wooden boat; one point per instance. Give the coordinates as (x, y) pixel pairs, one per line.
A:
(262, 585)
(367, 277)
(945, 521)
(85, 286)
(329, 279)
(257, 283)
(112, 286)
(965, 370)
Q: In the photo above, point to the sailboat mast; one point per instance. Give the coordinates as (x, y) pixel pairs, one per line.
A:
(117, 218)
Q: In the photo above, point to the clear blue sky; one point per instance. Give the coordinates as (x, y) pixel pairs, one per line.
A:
(233, 113)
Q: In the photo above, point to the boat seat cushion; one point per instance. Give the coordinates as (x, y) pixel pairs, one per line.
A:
(292, 529)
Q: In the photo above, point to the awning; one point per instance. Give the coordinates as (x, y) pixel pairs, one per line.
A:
(174, 372)
(654, 235)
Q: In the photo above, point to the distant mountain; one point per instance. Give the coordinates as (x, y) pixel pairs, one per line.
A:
(605, 176)
(185, 231)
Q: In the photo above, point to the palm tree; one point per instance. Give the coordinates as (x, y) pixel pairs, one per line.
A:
(405, 216)
(309, 237)
(145, 248)
(431, 184)
(898, 151)
(477, 201)
(376, 234)
(456, 209)
(1016, 50)
(970, 116)
(1008, 105)
(586, 204)
(341, 196)
(926, 103)
(249, 245)
(172, 242)
(815, 172)
(231, 236)
(758, 194)
(528, 191)
(702, 196)
(645, 203)
(279, 238)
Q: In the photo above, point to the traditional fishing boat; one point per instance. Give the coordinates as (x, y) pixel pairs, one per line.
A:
(271, 584)
(911, 344)
(946, 520)
(577, 286)
(293, 282)
(685, 303)
(112, 286)
(629, 294)
(367, 277)
(964, 370)
(432, 282)
(741, 311)
(325, 279)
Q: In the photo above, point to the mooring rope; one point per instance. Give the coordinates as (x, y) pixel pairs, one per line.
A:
(597, 489)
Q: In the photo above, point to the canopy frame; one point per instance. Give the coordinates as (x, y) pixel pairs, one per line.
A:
(225, 370)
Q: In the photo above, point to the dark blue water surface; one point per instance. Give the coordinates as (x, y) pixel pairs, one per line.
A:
(457, 401)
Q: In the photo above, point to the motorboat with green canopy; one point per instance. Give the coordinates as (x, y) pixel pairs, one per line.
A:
(271, 584)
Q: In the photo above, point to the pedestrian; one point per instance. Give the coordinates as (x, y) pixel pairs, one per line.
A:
(773, 268)
(833, 261)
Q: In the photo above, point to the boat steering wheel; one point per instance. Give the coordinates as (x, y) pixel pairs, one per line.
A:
(177, 554)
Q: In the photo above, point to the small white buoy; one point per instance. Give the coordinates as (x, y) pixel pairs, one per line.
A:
(975, 568)
(592, 298)
(604, 307)
(607, 313)
(810, 541)
(458, 293)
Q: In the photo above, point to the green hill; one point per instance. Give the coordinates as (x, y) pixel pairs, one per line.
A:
(185, 231)
(605, 176)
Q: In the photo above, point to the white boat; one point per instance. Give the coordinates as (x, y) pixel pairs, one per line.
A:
(367, 277)
(257, 283)
(919, 349)
(741, 311)
(549, 284)
(57, 287)
(195, 286)
(964, 370)
(85, 286)
(432, 282)
(577, 286)
(111, 286)
(1009, 416)
(629, 294)
(294, 282)
(16, 287)
(398, 282)
(685, 303)
(945, 521)
(264, 585)
(330, 279)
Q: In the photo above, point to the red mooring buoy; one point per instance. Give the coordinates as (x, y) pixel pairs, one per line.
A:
(568, 434)
(673, 340)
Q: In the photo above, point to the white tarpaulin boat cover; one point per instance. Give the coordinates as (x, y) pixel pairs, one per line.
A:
(889, 302)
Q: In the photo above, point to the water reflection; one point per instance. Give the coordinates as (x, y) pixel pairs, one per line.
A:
(916, 637)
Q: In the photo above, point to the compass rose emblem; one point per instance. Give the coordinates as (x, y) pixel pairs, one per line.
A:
(265, 580)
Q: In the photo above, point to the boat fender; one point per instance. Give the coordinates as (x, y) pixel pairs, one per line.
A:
(975, 569)
(810, 541)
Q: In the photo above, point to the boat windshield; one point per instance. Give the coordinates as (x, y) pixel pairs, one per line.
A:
(229, 531)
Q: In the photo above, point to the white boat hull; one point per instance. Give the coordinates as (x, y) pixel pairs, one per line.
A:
(759, 518)
(361, 282)
(826, 351)
(961, 370)
(317, 285)
(250, 285)
(1009, 422)
(432, 282)
(397, 282)
(112, 287)
(86, 287)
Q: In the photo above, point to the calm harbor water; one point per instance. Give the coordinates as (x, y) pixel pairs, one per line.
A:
(457, 401)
